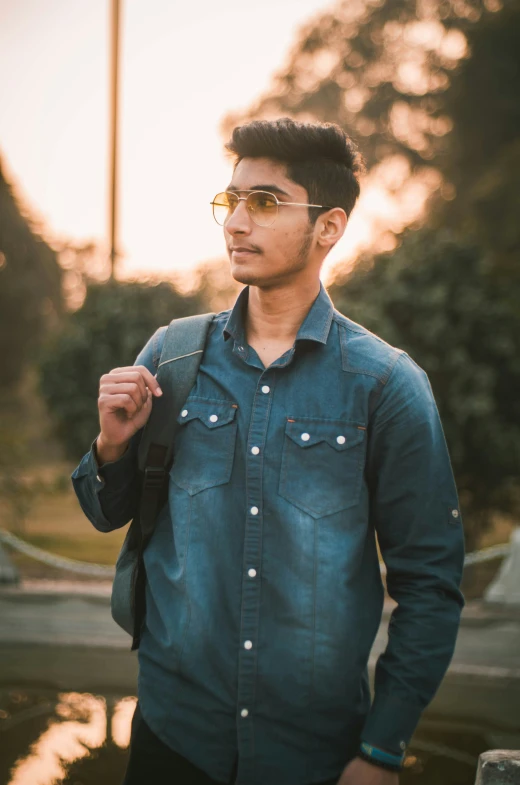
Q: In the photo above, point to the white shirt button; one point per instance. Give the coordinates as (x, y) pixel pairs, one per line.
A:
(244, 713)
(240, 348)
(254, 510)
(402, 744)
(341, 439)
(305, 437)
(98, 478)
(251, 573)
(266, 389)
(248, 645)
(213, 418)
(255, 450)
(455, 513)
(184, 413)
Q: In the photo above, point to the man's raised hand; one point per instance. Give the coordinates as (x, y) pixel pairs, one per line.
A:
(124, 404)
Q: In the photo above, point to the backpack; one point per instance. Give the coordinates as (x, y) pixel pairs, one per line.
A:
(176, 373)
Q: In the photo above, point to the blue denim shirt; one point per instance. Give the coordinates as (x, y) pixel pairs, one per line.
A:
(264, 590)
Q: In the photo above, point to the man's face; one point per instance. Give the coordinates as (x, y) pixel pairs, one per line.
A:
(275, 253)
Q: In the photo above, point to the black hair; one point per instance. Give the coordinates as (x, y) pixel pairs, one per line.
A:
(319, 156)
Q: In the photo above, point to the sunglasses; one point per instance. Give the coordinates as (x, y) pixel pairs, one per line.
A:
(262, 206)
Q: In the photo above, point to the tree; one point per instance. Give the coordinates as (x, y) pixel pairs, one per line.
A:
(109, 330)
(440, 300)
(482, 156)
(421, 86)
(379, 68)
(30, 287)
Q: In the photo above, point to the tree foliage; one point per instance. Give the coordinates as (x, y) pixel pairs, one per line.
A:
(109, 331)
(482, 156)
(379, 68)
(440, 300)
(435, 82)
(30, 287)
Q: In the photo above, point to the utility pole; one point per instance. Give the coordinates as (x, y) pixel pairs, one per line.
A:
(114, 122)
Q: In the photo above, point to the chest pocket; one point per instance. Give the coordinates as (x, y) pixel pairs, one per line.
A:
(322, 465)
(205, 444)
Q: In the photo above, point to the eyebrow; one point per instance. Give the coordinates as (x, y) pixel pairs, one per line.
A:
(268, 187)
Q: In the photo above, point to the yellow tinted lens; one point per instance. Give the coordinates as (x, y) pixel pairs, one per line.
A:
(223, 206)
(263, 207)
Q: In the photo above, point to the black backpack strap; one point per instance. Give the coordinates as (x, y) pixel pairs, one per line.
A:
(177, 372)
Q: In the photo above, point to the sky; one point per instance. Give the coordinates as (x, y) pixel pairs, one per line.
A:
(184, 65)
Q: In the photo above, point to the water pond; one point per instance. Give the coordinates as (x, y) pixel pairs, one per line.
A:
(78, 738)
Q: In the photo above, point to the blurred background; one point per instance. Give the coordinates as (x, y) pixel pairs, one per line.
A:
(98, 248)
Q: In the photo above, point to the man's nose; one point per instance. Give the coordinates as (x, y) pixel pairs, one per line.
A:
(239, 220)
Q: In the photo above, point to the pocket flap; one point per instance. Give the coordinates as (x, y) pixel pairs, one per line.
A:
(211, 412)
(340, 435)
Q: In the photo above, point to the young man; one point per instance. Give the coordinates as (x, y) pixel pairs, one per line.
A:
(304, 437)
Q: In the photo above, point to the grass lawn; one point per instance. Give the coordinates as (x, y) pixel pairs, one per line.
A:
(30, 455)
(57, 524)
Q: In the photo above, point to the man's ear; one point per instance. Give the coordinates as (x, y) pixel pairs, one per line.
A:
(331, 227)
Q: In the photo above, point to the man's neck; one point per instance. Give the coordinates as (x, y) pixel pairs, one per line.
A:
(275, 315)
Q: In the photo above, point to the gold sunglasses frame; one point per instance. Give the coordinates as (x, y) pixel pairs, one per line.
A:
(278, 204)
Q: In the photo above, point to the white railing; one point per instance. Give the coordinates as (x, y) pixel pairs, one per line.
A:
(61, 562)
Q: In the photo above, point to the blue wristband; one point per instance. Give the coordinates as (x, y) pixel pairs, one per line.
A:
(380, 756)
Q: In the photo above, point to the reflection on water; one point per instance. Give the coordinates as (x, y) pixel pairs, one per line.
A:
(82, 739)
(121, 719)
(81, 726)
(76, 727)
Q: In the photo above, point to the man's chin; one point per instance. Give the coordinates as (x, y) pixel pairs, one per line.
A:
(248, 277)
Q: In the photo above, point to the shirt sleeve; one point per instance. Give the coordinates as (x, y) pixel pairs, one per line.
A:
(108, 494)
(415, 512)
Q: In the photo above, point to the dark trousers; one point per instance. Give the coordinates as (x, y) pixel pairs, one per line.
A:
(152, 762)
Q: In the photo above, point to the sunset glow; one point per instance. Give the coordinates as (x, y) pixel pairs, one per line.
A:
(183, 67)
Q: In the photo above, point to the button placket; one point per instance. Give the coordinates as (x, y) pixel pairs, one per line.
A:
(251, 585)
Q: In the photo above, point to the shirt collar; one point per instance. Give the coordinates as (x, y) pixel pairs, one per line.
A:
(234, 326)
(315, 326)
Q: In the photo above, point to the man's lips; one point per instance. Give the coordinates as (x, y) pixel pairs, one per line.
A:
(242, 249)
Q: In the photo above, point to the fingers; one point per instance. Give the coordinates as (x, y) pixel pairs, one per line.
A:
(134, 374)
(117, 402)
(138, 392)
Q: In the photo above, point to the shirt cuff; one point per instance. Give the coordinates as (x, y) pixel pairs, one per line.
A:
(115, 472)
(390, 724)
